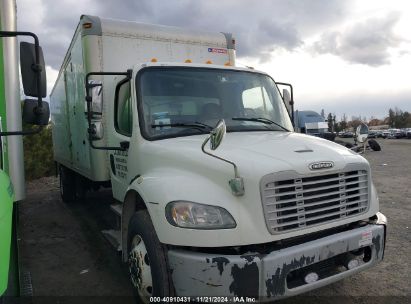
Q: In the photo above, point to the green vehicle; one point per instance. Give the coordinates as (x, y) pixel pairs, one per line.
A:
(33, 112)
(6, 215)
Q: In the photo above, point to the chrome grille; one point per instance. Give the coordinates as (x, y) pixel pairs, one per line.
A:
(304, 201)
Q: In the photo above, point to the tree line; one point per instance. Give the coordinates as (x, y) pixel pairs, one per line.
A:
(396, 118)
(38, 149)
(38, 154)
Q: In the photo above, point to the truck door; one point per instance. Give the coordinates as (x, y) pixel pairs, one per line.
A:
(123, 122)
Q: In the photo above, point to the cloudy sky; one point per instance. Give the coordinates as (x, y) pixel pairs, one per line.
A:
(346, 56)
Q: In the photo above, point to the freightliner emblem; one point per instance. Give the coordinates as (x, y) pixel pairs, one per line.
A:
(321, 165)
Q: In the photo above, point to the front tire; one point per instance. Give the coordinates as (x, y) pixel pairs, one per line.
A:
(147, 260)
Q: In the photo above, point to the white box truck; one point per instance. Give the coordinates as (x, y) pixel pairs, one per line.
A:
(216, 194)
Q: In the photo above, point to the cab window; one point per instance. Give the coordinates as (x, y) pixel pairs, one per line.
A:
(123, 113)
(257, 103)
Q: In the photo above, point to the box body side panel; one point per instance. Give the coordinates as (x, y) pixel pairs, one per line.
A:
(68, 107)
(60, 124)
(116, 49)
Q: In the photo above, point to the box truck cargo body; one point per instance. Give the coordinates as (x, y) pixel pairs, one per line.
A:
(115, 46)
(216, 195)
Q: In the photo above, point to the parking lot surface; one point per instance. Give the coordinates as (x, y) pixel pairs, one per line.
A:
(70, 261)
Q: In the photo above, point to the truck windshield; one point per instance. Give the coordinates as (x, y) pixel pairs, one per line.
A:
(175, 101)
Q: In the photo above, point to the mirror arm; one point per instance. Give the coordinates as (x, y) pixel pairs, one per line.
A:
(220, 158)
(37, 68)
(23, 132)
(89, 100)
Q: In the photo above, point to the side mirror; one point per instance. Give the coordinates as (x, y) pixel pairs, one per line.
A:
(33, 114)
(217, 134)
(29, 70)
(215, 138)
(287, 99)
(361, 133)
(286, 96)
(96, 93)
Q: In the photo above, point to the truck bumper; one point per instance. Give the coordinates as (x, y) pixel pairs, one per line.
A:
(279, 273)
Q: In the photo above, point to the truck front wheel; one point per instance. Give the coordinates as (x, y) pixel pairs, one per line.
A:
(147, 259)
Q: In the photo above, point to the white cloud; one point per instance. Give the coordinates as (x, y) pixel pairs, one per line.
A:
(273, 35)
(51, 78)
(366, 42)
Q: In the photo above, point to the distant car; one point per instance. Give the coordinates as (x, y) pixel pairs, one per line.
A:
(347, 134)
(372, 134)
(397, 133)
(385, 133)
(379, 134)
(394, 133)
(403, 132)
(328, 135)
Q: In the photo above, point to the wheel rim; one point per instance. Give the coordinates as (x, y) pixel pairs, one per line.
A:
(139, 268)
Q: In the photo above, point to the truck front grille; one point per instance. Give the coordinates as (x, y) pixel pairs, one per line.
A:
(304, 201)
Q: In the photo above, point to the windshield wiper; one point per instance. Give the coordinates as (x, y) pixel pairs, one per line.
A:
(262, 120)
(195, 125)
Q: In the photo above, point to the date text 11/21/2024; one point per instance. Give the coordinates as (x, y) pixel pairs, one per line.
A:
(201, 299)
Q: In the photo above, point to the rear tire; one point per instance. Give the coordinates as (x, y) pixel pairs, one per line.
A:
(147, 260)
(81, 187)
(72, 185)
(374, 145)
(67, 184)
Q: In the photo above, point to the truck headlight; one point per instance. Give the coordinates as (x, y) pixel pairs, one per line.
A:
(198, 216)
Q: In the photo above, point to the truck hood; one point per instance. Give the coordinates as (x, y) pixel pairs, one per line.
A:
(176, 169)
(261, 152)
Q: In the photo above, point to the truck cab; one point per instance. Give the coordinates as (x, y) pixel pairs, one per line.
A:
(216, 193)
(294, 185)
